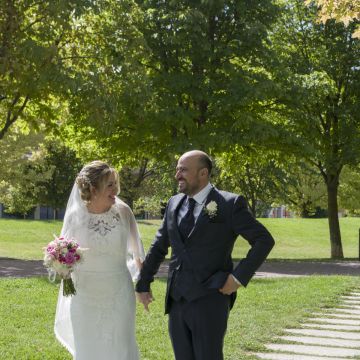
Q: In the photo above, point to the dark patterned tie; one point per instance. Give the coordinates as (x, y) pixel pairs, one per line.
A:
(188, 221)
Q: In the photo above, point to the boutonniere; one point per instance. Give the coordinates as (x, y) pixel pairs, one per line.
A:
(211, 209)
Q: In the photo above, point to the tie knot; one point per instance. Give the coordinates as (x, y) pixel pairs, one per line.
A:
(191, 204)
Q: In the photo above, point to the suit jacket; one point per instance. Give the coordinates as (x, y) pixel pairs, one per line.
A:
(207, 250)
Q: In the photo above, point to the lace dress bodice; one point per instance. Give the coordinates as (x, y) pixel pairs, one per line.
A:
(107, 242)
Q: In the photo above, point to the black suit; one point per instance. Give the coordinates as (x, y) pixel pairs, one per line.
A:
(200, 265)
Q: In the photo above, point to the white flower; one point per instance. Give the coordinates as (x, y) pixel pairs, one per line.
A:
(211, 209)
(61, 269)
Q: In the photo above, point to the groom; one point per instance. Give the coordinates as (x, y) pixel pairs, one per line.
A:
(201, 225)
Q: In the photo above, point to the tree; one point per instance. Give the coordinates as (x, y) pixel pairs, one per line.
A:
(318, 76)
(35, 171)
(37, 53)
(156, 190)
(17, 199)
(18, 148)
(19, 189)
(301, 188)
(62, 165)
(343, 11)
(254, 174)
(172, 75)
(131, 179)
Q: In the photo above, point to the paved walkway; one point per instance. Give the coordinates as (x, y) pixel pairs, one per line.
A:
(25, 268)
(333, 334)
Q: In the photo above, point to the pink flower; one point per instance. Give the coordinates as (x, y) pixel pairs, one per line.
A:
(53, 253)
(69, 258)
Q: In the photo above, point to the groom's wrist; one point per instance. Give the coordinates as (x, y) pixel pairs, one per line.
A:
(142, 287)
(236, 280)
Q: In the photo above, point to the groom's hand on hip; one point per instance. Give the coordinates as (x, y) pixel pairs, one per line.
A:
(145, 298)
(230, 286)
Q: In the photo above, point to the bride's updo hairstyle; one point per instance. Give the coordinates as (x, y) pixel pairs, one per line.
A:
(95, 175)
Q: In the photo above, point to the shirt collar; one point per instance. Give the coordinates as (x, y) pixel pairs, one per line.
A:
(201, 196)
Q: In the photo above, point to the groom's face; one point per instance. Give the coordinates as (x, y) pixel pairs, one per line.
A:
(188, 175)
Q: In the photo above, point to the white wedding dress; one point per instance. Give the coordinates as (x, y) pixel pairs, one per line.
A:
(99, 321)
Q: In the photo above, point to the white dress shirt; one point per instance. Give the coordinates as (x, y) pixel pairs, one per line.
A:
(200, 199)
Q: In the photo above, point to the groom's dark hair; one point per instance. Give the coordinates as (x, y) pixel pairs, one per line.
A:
(205, 162)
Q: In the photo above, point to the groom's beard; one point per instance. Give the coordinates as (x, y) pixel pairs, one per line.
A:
(187, 188)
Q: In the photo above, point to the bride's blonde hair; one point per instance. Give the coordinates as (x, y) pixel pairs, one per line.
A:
(95, 174)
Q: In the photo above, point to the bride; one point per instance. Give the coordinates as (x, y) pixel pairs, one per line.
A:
(99, 321)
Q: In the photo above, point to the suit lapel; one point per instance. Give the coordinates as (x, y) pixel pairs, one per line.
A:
(173, 213)
(203, 217)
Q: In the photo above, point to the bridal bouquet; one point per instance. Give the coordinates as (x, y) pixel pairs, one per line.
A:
(61, 256)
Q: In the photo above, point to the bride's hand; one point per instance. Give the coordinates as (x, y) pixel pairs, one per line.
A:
(145, 298)
(139, 264)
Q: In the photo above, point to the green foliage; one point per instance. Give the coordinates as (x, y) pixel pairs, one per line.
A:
(16, 200)
(318, 77)
(156, 190)
(63, 165)
(17, 149)
(171, 75)
(344, 11)
(20, 171)
(36, 57)
(301, 188)
(349, 192)
(254, 174)
(36, 171)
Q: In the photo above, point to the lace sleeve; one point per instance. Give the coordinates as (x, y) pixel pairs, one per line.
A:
(136, 254)
(135, 246)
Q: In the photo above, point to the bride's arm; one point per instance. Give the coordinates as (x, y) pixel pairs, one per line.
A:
(135, 246)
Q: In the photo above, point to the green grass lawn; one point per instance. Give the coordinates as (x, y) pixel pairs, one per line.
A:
(295, 238)
(27, 308)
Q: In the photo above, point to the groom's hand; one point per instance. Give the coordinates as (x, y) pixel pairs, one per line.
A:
(230, 286)
(145, 298)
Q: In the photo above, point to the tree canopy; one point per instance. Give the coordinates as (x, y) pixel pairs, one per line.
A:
(345, 11)
(264, 87)
(37, 53)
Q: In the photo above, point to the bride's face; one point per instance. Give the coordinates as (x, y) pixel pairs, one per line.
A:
(106, 197)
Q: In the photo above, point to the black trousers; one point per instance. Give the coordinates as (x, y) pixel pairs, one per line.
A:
(197, 328)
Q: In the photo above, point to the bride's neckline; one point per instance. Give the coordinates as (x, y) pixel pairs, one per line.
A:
(99, 213)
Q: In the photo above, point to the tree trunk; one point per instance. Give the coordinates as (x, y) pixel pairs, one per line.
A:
(333, 218)
(304, 212)
(253, 208)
